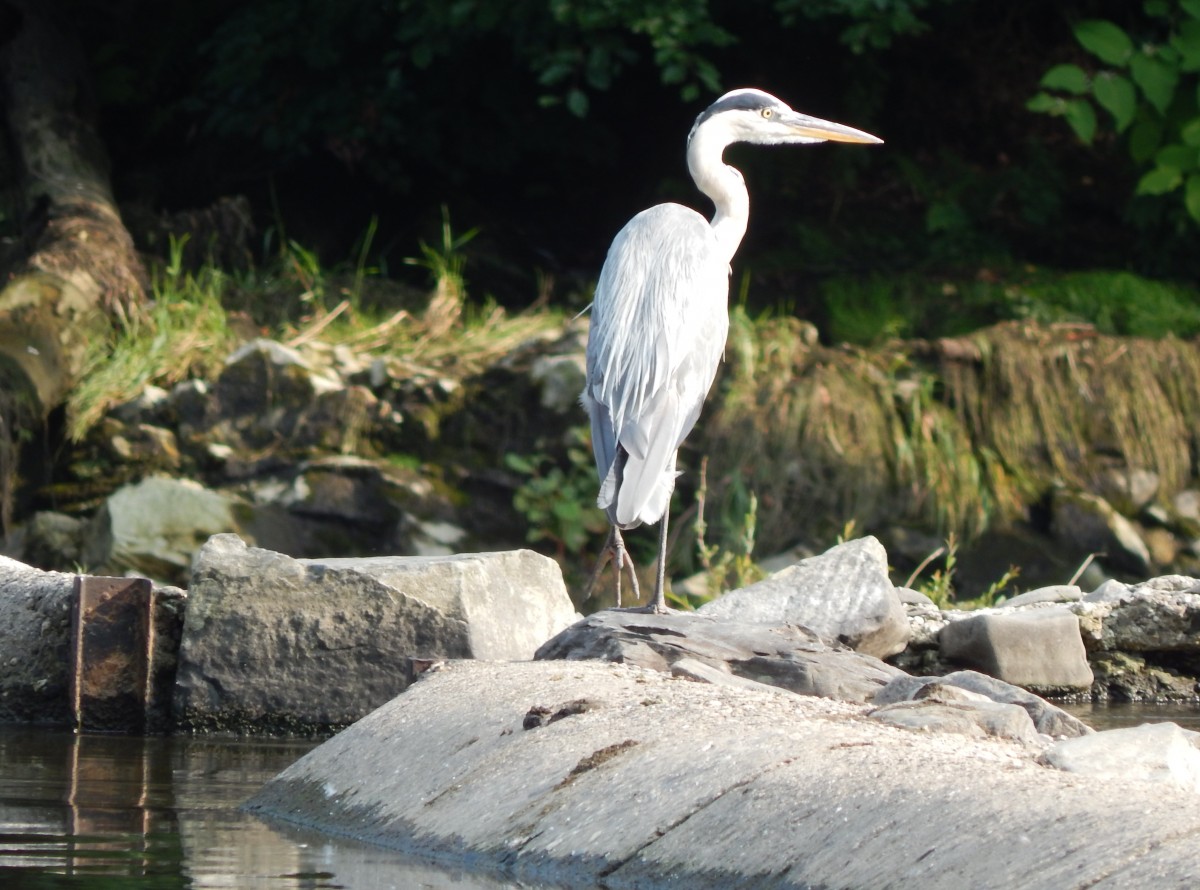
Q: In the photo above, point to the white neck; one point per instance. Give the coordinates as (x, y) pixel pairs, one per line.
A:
(721, 183)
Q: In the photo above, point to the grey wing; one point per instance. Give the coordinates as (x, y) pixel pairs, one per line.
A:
(658, 328)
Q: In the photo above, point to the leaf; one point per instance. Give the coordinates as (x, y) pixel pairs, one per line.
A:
(1159, 181)
(1177, 157)
(945, 216)
(1144, 139)
(1191, 196)
(1156, 8)
(1045, 103)
(1155, 80)
(1104, 40)
(1191, 7)
(1082, 118)
(1068, 78)
(1115, 94)
(1190, 133)
(577, 102)
(1187, 43)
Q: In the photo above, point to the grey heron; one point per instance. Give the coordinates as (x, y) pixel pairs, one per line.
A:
(660, 318)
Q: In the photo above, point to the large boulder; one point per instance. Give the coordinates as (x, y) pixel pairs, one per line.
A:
(787, 656)
(35, 643)
(279, 643)
(845, 595)
(1040, 648)
(1086, 523)
(153, 527)
(636, 779)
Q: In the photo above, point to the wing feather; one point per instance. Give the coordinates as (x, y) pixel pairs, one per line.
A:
(658, 328)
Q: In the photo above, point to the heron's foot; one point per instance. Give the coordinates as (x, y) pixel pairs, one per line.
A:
(614, 550)
(650, 609)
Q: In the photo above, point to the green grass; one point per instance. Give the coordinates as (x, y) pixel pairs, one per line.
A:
(185, 333)
(866, 310)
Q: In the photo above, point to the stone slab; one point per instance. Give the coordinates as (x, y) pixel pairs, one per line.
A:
(1036, 648)
(788, 656)
(650, 781)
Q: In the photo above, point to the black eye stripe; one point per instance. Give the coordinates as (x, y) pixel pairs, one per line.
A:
(742, 101)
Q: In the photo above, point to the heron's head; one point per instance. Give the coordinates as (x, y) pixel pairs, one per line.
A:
(754, 116)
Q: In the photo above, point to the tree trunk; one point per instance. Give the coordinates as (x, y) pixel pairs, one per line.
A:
(74, 268)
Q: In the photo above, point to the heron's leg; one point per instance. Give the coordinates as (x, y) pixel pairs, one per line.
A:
(660, 601)
(606, 552)
(622, 559)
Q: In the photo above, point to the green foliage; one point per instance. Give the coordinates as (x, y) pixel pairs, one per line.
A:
(1119, 303)
(875, 24)
(570, 50)
(367, 80)
(593, 45)
(939, 587)
(559, 502)
(868, 310)
(729, 565)
(1149, 91)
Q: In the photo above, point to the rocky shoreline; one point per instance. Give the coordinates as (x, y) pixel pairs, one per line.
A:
(311, 448)
(265, 642)
(771, 736)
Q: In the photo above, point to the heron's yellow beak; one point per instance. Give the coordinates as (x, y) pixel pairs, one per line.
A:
(815, 128)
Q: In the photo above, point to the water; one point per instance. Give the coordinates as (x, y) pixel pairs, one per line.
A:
(99, 812)
(1118, 715)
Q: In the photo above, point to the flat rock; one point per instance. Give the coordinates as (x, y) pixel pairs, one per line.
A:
(631, 778)
(1153, 752)
(272, 642)
(1055, 593)
(845, 595)
(1038, 648)
(787, 656)
(1047, 718)
(972, 718)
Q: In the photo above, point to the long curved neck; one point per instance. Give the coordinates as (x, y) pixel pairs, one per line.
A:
(722, 183)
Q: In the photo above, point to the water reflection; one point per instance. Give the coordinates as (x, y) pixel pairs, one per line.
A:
(101, 812)
(1119, 715)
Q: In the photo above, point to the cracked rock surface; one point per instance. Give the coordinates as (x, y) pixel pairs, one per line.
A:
(647, 780)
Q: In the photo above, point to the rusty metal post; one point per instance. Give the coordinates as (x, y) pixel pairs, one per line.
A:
(112, 640)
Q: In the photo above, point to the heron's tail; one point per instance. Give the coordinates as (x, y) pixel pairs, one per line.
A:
(636, 491)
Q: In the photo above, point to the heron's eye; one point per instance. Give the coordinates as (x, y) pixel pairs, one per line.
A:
(767, 112)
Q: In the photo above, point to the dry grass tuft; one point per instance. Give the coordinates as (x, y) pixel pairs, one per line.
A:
(955, 434)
